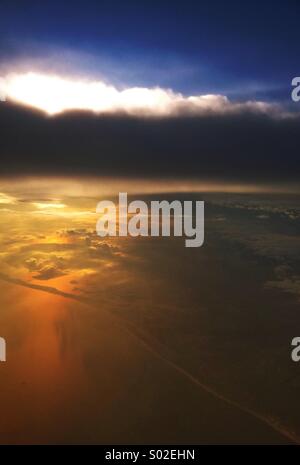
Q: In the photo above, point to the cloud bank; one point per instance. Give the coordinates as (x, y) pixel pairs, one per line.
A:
(57, 125)
(55, 94)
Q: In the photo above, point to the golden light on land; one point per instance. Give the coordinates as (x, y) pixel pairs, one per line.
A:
(57, 187)
(44, 205)
(6, 199)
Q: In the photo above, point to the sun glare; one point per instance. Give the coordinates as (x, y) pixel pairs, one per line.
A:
(55, 94)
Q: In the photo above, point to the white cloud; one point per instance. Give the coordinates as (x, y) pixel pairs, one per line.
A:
(54, 94)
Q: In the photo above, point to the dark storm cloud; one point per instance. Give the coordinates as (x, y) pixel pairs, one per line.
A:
(244, 146)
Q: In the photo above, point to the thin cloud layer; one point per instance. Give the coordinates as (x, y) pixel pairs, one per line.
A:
(54, 94)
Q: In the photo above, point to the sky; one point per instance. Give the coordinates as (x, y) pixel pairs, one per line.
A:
(244, 48)
(164, 88)
(166, 100)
